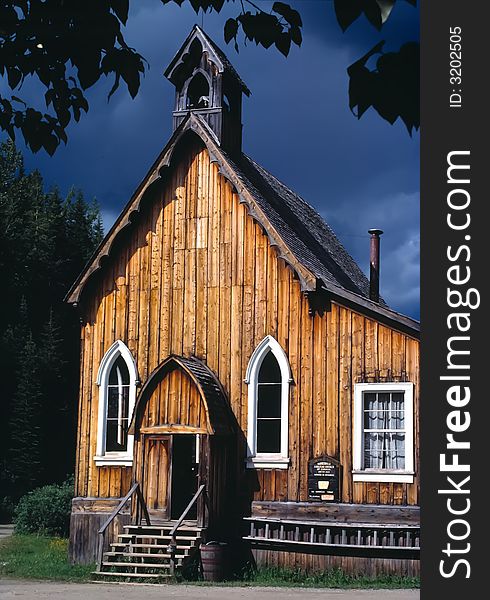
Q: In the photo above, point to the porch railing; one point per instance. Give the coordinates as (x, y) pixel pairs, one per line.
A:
(172, 546)
(395, 540)
(141, 511)
(174, 529)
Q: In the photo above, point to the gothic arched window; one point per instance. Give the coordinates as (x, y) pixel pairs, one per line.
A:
(268, 377)
(117, 380)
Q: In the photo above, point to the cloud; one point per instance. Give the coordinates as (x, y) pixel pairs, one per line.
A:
(398, 216)
(297, 123)
(108, 218)
(401, 274)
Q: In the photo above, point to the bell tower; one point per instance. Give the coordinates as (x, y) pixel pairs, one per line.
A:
(207, 84)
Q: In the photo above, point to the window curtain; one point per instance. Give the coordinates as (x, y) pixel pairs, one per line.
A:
(384, 430)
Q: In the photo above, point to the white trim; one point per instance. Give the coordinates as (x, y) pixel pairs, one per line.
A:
(267, 460)
(103, 458)
(111, 461)
(258, 354)
(383, 477)
(262, 462)
(395, 476)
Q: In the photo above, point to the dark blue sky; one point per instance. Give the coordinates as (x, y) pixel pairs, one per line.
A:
(297, 123)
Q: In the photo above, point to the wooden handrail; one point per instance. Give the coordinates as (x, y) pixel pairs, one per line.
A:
(135, 488)
(142, 503)
(118, 508)
(172, 547)
(187, 509)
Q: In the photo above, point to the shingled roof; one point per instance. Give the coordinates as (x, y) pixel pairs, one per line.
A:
(314, 242)
(302, 238)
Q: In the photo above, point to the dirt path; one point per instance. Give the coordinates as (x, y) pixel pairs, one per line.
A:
(6, 531)
(32, 590)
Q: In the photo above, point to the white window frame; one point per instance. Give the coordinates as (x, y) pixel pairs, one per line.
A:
(103, 458)
(405, 475)
(267, 460)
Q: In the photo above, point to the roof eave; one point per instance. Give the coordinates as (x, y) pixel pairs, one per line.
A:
(373, 309)
(103, 249)
(196, 124)
(308, 280)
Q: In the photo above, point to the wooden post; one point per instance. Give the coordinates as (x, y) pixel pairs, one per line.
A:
(143, 506)
(172, 550)
(100, 550)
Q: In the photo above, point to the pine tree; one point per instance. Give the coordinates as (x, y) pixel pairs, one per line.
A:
(8, 366)
(45, 241)
(24, 454)
(54, 384)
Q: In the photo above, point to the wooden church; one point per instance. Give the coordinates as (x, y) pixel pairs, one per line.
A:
(241, 379)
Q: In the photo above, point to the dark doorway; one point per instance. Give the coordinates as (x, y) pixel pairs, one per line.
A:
(184, 474)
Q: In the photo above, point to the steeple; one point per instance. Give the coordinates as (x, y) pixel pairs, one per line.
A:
(207, 84)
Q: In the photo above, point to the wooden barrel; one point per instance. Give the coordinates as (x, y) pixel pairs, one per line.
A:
(213, 561)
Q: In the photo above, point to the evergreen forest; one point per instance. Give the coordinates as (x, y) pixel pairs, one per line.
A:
(45, 241)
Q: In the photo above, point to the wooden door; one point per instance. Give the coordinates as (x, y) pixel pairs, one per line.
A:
(156, 474)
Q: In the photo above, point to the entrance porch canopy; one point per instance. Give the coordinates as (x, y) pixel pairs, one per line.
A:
(219, 418)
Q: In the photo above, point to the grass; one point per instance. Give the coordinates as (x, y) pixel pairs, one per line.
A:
(39, 557)
(335, 578)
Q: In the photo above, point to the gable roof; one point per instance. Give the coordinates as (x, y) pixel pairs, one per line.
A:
(313, 240)
(300, 235)
(219, 56)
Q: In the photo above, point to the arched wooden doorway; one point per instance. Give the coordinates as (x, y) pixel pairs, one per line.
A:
(182, 429)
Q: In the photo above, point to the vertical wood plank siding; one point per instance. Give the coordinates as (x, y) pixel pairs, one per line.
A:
(195, 275)
(176, 401)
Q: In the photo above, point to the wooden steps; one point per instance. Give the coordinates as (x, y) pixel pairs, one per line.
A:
(136, 565)
(164, 527)
(141, 536)
(156, 547)
(150, 576)
(142, 552)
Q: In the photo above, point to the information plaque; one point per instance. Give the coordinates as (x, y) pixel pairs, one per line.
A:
(323, 479)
